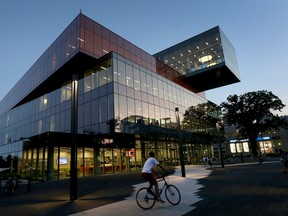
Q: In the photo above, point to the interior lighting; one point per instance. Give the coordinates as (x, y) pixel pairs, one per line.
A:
(207, 43)
(82, 40)
(197, 47)
(205, 58)
(189, 51)
(211, 64)
(73, 47)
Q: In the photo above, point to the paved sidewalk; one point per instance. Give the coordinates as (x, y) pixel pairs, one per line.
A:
(247, 189)
(187, 186)
(239, 189)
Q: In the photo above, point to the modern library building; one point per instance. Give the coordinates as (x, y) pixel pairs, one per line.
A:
(112, 102)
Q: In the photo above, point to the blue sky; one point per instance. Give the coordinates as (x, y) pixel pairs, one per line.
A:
(258, 30)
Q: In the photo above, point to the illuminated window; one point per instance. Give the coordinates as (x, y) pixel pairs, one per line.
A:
(43, 102)
(66, 92)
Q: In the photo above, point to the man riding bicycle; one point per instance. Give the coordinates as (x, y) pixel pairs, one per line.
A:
(150, 175)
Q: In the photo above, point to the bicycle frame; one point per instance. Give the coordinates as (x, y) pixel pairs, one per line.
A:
(162, 178)
(146, 199)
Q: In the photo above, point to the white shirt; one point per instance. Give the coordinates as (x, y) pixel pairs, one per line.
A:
(149, 164)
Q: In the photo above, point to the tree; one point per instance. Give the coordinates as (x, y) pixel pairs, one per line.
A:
(252, 113)
(201, 118)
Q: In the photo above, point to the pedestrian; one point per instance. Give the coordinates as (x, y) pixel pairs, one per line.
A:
(210, 161)
(284, 160)
(260, 158)
(205, 160)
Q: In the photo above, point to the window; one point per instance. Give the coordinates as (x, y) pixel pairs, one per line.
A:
(43, 102)
(66, 92)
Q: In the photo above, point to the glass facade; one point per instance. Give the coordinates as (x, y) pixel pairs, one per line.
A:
(126, 107)
(196, 59)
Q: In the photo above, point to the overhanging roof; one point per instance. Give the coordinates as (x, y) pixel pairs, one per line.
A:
(210, 78)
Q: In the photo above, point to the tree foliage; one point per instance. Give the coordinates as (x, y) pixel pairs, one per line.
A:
(252, 113)
(201, 118)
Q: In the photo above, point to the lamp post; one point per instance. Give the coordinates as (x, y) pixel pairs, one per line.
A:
(240, 145)
(74, 125)
(180, 143)
(219, 125)
(12, 162)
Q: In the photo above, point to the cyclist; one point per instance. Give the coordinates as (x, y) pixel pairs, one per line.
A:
(150, 175)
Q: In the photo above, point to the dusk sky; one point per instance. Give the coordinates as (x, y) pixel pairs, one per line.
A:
(258, 30)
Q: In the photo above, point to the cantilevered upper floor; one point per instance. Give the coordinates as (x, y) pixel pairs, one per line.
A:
(203, 62)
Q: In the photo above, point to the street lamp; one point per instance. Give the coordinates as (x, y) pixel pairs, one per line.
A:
(219, 125)
(74, 125)
(12, 162)
(180, 143)
(240, 145)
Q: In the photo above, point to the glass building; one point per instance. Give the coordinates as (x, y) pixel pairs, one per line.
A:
(118, 99)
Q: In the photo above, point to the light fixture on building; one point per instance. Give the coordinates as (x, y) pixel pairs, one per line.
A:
(205, 58)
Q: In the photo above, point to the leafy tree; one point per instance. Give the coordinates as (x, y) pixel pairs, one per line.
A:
(252, 113)
(201, 118)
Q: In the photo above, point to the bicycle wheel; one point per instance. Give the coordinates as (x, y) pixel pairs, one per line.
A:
(172, 194)
(144, 199)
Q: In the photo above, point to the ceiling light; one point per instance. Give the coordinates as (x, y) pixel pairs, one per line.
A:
(82, 40)
(205, 58)
(211, 64)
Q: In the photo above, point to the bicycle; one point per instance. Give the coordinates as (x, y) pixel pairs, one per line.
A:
(146, 199)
